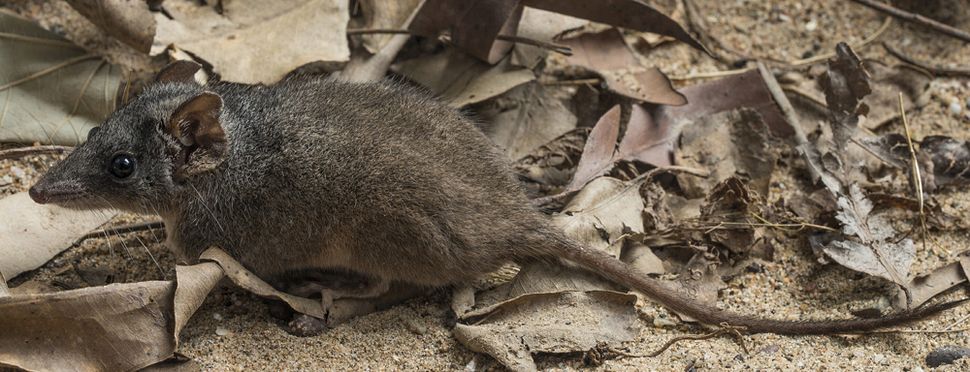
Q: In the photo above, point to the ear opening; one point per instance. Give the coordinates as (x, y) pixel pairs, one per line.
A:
(196, 126)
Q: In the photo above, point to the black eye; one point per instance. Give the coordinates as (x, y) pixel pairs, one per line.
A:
(122, 165)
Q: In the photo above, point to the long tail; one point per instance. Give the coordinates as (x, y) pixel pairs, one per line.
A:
(613, 269)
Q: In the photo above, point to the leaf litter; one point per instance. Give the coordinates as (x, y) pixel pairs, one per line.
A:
(670, 179)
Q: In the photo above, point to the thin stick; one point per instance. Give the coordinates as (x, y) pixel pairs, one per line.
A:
(572, 82)
(33, 150)
(734, 331)
(935, 70)
(48, 70)
(711, 74)
(917, 177)
(916, 18)
(821, 57)
(123, 229)
(562, 49)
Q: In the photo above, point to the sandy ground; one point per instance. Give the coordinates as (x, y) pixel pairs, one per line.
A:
(233, 331)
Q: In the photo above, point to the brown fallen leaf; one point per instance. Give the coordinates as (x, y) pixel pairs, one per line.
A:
(32, 234)
(563, 322)
(258, 41)
(475, 26)
(537, 24)
(460, 79)
(552, 165)
(126, 20)
(527, 117)
(925, 287)
(602, 212)
(729, 144)
(384, 15)
(123, 326)
(606, 54)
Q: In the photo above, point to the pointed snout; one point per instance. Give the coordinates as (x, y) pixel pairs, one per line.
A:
(38, 194)
(45, 191)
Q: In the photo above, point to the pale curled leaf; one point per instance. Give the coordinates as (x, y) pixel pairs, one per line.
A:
(50, 90)
(876, 252)
(925, 287)
(551, 323)
(258, 41)
(123, 326)
(31, 234)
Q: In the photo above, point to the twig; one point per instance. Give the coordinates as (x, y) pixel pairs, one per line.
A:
(48, 70)
(572, 82)
(917, 177)
(916, 18)
(33, 150)
(562, 49)
(784, 104)
(123, 229)
(724, 330)
(712, 74)
(935, 70)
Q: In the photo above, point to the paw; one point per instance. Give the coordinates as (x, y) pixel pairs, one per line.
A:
(304, 325)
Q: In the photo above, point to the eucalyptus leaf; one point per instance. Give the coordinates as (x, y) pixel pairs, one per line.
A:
(51, 91)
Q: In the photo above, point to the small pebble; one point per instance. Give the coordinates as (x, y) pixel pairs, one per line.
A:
(946, 355)
(222, 331)
(216, 316)
(17, 172)
(918, 369)
(955, 107)
(660, 322)
(879, 358)
(416, 327)
(811, 25)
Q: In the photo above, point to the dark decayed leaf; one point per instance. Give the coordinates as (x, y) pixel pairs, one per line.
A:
(729, 144)
(886, 81)
(553, 164)
(126, 20)
(475, 25)
(606, 54)
(944, 161)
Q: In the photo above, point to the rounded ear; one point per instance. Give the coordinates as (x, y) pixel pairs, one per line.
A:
(196, 126)
(178, 72)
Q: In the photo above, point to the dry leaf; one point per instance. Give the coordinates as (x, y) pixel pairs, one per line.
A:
(126, 20)
(258, 41)
(877, 252)
(729, 144)
(123, 326)
(923, 288)
(32, 234)
(475, 26)
(553, 163)
(562, 322)
(944, 161)
(531, 115)
(602, 212)
(537, 24)
(462, 80)
(606, 54)
(384, 15)
(55, 108)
